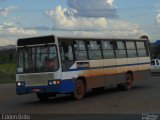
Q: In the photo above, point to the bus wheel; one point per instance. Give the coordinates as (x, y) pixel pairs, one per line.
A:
(128, 82)
(79, 90)
(42, 96)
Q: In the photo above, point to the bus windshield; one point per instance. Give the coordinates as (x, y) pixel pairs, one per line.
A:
(37, 59)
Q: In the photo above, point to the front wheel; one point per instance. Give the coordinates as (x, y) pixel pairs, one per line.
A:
(79, 90)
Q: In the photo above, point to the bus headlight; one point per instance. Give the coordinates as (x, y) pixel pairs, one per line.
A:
(20, 84)
(50, 82)
(54, 82)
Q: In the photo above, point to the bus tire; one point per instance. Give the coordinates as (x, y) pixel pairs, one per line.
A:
(128, 81)
(79, 90)
(42, 96)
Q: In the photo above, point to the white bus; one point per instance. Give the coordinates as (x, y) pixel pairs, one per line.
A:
(51, 65)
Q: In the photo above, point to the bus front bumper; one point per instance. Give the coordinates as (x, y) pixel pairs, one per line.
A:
(66, 86)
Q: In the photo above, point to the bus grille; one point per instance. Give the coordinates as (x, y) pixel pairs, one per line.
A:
(36, 79)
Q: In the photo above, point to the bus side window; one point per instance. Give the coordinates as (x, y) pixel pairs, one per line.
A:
(120, 49)
(80, 50)
(131, 49)
(108, 51)
(142, 52)
(94, 50)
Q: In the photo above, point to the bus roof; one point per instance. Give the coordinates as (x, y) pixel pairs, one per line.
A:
(51, 39)
(99, 38)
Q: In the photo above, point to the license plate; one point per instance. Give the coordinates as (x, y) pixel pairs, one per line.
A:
(36, 90)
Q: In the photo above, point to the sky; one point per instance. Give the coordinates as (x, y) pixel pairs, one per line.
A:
(85, 18)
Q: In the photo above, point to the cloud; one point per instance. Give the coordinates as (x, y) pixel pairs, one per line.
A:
(65, 22)
(5, 42)
(10, 28)
(40, 28)
(93, 8)
(115, 29)
(5, 11)
(91, 26)
(158, 18)
(10, 33)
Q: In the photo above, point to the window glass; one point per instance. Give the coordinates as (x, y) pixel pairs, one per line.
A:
(80, 50)
(94, 50)
(120, 45)
(80, 45)
(37, 59)
(140, 45)
(120, 49)
(130, 45)
(66, 52)
(107, 48)
(131, 49)
(142, 53)
(107, 45)
(46, 59)
(142, 50)
(108, 54)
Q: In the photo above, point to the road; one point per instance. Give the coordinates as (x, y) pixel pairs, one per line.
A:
(143, 98)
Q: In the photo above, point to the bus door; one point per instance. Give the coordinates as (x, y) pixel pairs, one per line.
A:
(67, 58)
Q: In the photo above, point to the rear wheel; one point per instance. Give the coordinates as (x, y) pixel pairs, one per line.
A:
(128, 82)
(79, 90)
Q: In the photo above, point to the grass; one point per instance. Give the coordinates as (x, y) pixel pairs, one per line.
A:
(7, 73)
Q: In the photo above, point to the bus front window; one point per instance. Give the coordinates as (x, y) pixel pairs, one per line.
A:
(37, 59)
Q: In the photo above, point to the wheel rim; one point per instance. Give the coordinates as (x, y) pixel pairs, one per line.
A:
(79, 90)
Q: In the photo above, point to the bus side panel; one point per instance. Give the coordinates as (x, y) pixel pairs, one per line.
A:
(133, 64)
(142, 75)
(96, 68)
(122, 68)
(133, 67)
(96, 72)
(110, 72)
(145, 63)
(95, 82)
(144, 68)
(110, 67)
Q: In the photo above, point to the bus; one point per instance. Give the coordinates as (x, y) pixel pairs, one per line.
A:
(51, 65)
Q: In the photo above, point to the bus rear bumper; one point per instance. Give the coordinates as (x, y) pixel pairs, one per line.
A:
(66, 86)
